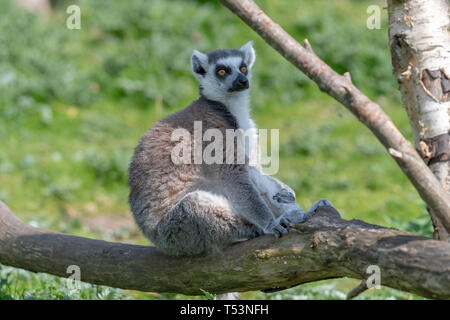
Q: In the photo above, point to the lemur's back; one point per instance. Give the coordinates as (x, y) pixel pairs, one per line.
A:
(156, 182)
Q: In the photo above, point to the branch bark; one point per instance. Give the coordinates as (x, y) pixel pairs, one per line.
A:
(419, 38)
(341, 88)
(323, 247)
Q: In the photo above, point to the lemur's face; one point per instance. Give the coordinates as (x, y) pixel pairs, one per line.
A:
(223, 73)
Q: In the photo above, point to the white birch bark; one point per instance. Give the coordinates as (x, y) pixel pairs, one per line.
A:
(419, 34)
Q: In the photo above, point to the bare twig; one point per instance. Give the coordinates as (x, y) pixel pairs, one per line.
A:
(341, 88)
(357, 290)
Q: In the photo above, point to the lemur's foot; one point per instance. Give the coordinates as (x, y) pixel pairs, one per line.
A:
(318, 204)
(295, 215)
(278, 227)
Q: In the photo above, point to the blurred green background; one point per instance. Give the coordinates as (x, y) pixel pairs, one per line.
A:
(73, 104)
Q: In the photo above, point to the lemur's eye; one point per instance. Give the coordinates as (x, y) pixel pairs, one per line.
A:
(221, 72)
(243, 69)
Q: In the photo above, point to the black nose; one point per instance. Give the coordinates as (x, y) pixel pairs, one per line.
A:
(243, 81)
(240, 83)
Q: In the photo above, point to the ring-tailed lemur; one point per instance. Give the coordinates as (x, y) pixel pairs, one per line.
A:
(195, 209)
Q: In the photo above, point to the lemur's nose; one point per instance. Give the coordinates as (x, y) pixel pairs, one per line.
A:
(240, 83)
(243, 81)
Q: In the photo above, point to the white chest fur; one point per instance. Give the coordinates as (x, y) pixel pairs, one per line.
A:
(239, 107)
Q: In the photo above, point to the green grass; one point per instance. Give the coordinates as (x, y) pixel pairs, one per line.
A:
(73, 104)
(20, 284)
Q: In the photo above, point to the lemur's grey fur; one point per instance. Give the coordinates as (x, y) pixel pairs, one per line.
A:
(197, 209)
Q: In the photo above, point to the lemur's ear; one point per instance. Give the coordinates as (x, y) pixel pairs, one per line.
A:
(199, 63)
(249, 53)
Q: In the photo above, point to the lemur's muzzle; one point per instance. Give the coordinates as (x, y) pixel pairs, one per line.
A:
(240, 83)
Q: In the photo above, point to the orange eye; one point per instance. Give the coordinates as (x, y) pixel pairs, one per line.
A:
(243, 69)
(221, 72)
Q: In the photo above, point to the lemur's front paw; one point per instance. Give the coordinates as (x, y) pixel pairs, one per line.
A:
(284, 196)
(277, 227)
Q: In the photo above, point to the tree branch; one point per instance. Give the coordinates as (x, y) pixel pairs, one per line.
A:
(357, 290)
(323, 247)
(341, 88)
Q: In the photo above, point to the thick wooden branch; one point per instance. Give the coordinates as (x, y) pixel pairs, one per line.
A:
(341, 88)
(323, 247)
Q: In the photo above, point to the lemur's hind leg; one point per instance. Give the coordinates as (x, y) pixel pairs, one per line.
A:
(281, 198)
(278, 196)
(201, 223)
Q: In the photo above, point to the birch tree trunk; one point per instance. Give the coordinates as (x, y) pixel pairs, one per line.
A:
(419, 37)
